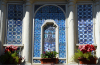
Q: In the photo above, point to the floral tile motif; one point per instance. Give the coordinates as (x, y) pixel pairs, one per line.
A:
(14, 24)
(56, 14)
(36, 61)
(62, 6)
(62, 61)
(85, 24)
(49, 38)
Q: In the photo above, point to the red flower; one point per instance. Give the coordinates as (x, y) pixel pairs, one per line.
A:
(44, 52)
(93, 48)
(10, 48)
(86, 48)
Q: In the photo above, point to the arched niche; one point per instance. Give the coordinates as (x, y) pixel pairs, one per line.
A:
(48, 40)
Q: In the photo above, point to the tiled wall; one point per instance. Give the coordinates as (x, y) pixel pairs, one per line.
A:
(85, 24)
(49, 37)
(56, 14)
(60, 61)
(14, 24)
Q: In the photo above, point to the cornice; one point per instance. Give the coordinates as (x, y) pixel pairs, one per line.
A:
(72, 1)
(29, 1)
(4, 1)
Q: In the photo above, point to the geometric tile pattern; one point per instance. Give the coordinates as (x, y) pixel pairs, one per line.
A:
(36, 61)
(49, 38)
(62, 6)
(36, 7)
(85, 24)
(62, 61)
(56, 14)
(14, 24)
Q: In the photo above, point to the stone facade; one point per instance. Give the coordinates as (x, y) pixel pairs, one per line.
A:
(76, 22)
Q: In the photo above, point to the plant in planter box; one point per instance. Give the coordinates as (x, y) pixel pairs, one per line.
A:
(84, 54)
(10, 56)
(49, 57)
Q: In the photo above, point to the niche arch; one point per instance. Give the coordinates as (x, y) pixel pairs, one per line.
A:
(54, 14)
(50, 22)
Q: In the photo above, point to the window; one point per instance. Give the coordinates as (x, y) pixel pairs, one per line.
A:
(14, 24)
(49, 38)
(85, 24)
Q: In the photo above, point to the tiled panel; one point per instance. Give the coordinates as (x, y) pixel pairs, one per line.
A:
(62, 61)
(49, 38)
(63, 7)
(14, 24)
(85, 24)
(49, 12)
(36, 61)
(36, 7)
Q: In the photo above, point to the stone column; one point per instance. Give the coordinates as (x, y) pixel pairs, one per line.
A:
(97, 28)
(71, 21)
(3, 25)
(26, 32)
(0, 27)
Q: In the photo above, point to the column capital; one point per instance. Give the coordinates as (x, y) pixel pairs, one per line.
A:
(28, 1)
(4, 2)
(96, 2)
(71, 2)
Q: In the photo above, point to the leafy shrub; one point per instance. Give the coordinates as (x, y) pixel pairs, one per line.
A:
(10, 56)
(85, 51)
(79, 54)
(51, 54)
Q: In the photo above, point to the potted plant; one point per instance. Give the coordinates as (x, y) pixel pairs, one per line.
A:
(49, 57)
(84, 54)
(10, 56)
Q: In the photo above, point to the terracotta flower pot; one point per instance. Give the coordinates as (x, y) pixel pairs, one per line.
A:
(85, 61)
(49, 60)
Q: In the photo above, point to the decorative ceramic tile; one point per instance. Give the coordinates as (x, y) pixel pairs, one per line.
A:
(49, 38)
(62, 6)
(44, 13)
(14, 27)
(36, 61)
(62, 61)
(85, 24)
(36, 7)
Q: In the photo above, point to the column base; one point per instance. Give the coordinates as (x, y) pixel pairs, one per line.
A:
(26, 63)
(72, 63)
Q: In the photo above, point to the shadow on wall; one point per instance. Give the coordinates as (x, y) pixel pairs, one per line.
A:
(98, 61)
(23, 63)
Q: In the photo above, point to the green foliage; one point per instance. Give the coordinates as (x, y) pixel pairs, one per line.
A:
(14, 55)
(9, 58)
(79, 54)
(51, 54)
